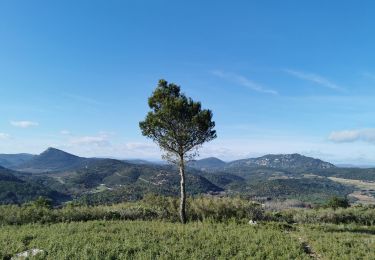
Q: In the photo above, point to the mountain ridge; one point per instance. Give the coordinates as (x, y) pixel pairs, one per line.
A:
(57, 174)
(281, 161)
(52, 160)
(13, 160)
(206, 163)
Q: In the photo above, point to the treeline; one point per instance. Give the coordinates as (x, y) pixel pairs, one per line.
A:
(198, 209)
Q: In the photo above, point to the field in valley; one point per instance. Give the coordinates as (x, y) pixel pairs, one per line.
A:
(365, 190)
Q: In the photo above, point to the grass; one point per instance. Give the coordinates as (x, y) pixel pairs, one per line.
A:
(196, 240)
(360, 184)
(150, 240)
(341, 241)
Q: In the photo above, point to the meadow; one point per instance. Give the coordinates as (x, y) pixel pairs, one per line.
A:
(196, 240)
(218, 228)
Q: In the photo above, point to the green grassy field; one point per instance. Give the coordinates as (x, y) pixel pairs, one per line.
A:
(196, 240)
(340, 241)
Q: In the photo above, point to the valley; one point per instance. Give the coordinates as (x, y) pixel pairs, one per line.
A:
(65, 177)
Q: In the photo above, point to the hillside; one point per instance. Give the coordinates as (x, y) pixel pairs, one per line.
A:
(96, 181)
(14, 190)
(107, 176)
(282, 161)
(293, 162)
(289, 176)
(207, 163)
(13, 160)
(52, 160)
(8, 175)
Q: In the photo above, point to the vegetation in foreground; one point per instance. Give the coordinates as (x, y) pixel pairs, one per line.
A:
(199, 209)
(218, 228)
(195, 240)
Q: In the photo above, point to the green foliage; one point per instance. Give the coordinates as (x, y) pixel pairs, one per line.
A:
(8, 175)
(336, 202)
(201, 208)
(18, 192)
(341, 241)
(314, 190)
(150, 240)
(42, 202)
(363, 215)
(179, 126)
(154, 207)
(176, 123)
(196, 240)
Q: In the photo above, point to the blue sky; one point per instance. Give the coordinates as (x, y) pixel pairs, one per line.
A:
(280, 76)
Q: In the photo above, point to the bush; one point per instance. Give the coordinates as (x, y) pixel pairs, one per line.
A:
(336, 202)
(166, 208)
(42, 202)
(201, 208)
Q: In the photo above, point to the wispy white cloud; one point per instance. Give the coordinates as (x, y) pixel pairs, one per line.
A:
(4, 136)
(315, 78)
(139, 145)
(83, 99)
(24, 124)
(104, 146)
(243, 81)
(346, 136)
(65, 132)
(98, 140)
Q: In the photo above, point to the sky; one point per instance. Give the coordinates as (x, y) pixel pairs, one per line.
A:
(279, 76)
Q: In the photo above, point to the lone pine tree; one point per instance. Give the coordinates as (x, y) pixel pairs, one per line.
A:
(179, 126)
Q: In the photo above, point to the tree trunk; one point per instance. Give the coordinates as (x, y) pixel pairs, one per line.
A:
(183, 192)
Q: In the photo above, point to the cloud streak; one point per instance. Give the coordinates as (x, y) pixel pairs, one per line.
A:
(65, 132)
(4, 136)
(99, 140)
(315, 78)
(243, 81)
(84, 99)
(24, 124)
(347, 136)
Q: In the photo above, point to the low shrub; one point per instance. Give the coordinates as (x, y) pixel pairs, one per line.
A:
(198, 209)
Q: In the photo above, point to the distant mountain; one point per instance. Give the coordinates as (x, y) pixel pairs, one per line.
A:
(99, 178)
(137, 161)
(62, 176)
(207, 163)
(360, 166)
(277, 161)
(282, 161)
(13, 160)
(52, 160)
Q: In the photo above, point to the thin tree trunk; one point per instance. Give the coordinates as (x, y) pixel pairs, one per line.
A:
(183, 192)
